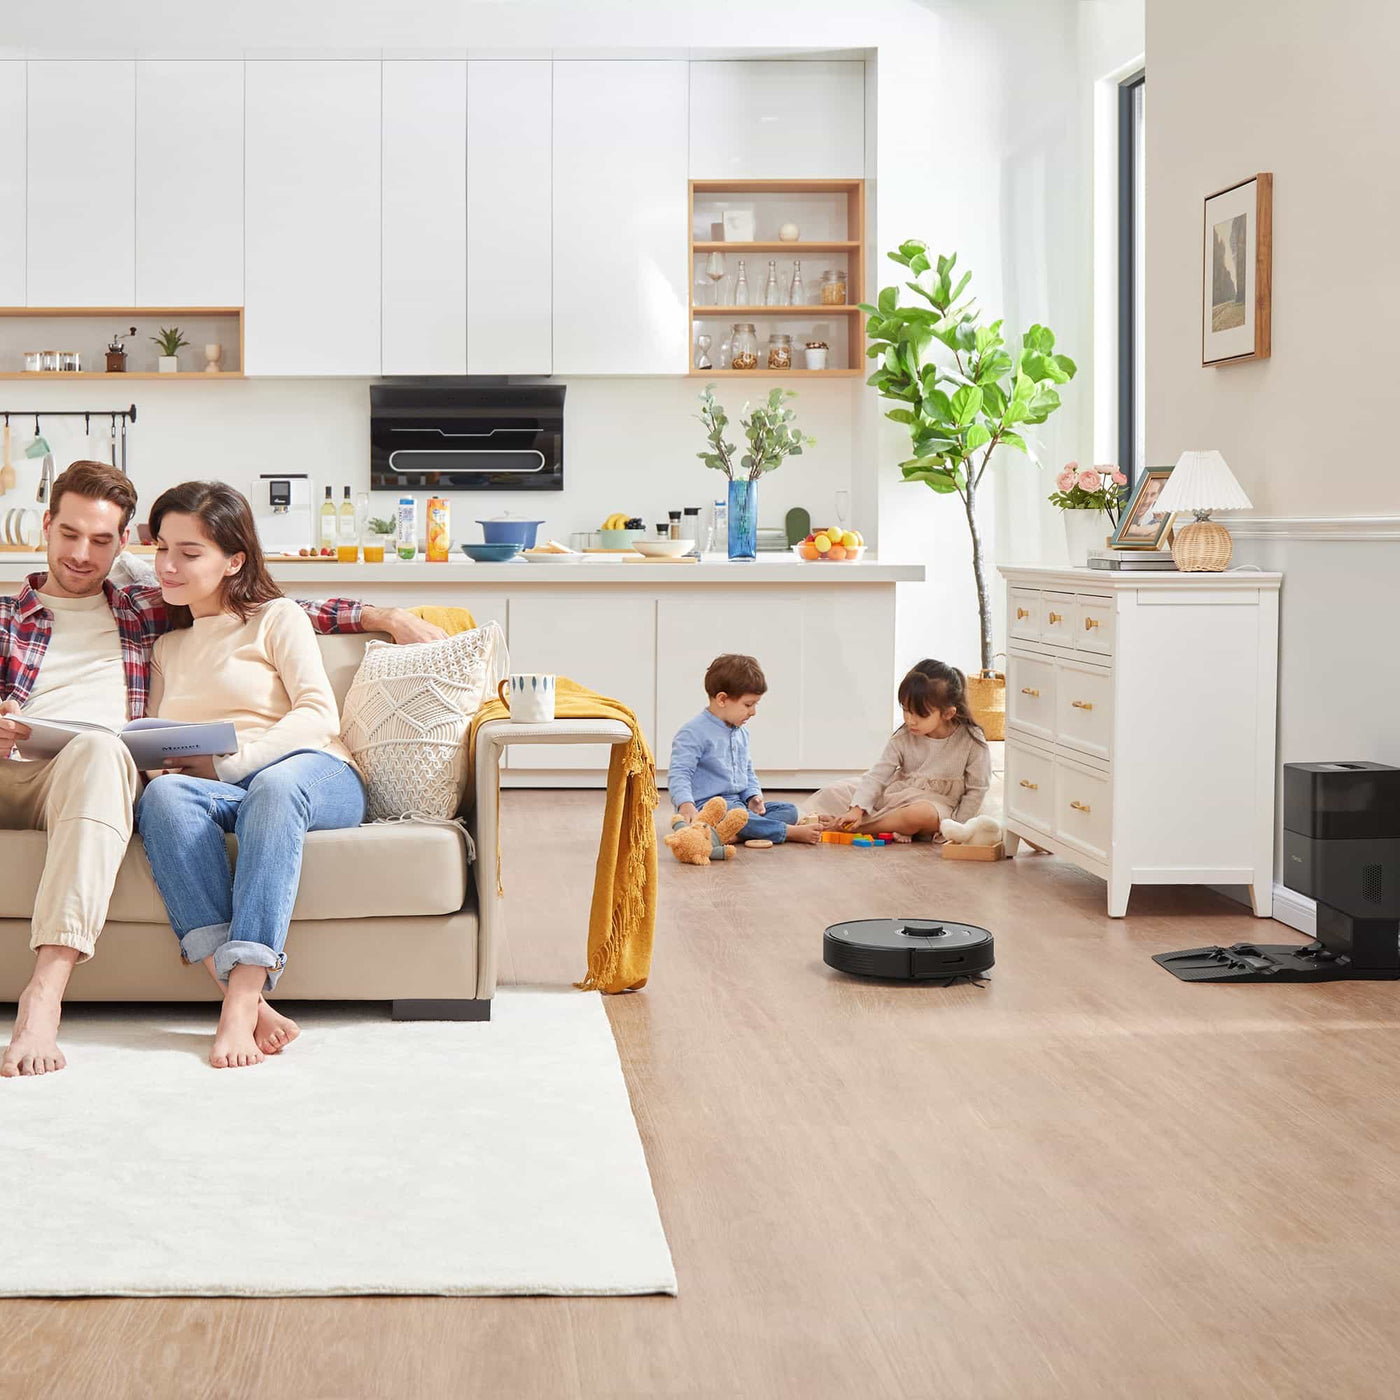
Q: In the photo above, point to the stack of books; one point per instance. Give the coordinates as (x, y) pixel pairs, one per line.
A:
(1146, 560)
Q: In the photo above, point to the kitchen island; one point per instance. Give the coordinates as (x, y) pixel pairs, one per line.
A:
(645, 632)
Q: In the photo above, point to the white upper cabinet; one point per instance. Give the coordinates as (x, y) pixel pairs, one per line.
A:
(509, 309)
(312, 191)
(787, 120)
(12, 182)
(620, 277)
(189, 183)
(425, 217)
(81, 224)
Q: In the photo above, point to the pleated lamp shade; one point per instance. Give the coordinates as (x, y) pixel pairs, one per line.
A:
(1202, 482)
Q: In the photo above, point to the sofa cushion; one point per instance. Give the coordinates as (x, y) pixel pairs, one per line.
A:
(385, 870)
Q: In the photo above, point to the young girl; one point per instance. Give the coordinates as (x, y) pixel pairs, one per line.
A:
(935, 768)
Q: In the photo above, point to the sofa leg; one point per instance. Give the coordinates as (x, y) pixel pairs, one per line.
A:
(447, 1009)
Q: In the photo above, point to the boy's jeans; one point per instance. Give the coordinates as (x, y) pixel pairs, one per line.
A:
(771, 826)
(242, 917)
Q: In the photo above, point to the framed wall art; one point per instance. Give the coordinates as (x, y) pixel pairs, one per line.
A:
(1237, 262)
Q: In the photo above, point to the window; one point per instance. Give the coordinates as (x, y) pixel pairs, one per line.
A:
(1132, 98)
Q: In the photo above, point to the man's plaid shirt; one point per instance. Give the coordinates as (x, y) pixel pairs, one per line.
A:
(26, 626)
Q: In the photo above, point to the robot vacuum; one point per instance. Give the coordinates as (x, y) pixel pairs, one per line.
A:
(911, 950)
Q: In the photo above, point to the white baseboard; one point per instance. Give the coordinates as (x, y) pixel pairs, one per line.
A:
(1291, 908)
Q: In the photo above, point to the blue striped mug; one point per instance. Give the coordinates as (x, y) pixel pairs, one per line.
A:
(530, 699)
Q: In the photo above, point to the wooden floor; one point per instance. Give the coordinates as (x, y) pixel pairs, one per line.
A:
(1085, 1179)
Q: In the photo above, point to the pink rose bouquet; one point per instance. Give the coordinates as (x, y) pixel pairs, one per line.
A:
(1090, 488)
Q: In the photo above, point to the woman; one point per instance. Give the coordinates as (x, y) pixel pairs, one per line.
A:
(239, 651)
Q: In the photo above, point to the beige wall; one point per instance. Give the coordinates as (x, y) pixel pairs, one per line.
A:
(1304, 89)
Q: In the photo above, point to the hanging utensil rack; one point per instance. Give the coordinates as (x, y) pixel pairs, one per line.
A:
(126, 415)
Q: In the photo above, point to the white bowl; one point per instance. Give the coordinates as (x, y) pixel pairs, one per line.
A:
(663, 549)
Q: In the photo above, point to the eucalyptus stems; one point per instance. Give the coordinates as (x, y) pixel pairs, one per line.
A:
(768, 428)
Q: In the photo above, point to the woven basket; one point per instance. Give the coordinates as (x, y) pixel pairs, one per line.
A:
(986, 698)
(1202, 547)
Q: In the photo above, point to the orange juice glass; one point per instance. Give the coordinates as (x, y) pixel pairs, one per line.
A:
(347, 553)
(374, 553)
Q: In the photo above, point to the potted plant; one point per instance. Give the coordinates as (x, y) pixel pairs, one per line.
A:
(1091, 498)
(962, 394)
(771, 438)
(170, 340)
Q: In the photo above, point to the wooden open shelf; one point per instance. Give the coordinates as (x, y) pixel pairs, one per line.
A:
(761, 373)
(126, 374)
(778, 246)
(229, 333)
(807, 311)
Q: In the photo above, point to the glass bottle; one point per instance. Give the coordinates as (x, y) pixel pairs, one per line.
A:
(797, 293)
(771, 295)
(745, 343)
(718, 541)
(741, 286)
(329, 521)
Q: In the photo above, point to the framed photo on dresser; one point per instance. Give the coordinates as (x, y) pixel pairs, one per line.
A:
(1237, 272)
(1140, 527)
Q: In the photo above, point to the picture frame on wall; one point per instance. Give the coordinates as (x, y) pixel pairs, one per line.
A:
(1139, 526)
(1237, 269)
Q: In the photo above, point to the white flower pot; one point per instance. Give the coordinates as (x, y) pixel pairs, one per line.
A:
(1085, 530)
(168, 364)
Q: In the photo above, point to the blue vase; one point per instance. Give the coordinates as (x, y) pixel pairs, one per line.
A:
(743, 519)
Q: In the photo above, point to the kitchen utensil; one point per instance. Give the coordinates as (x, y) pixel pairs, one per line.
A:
(798, 524)
(46, 477)
(7, 472)
(510, 529)
(28, 528)
(663, 549)
(549, 557)
(490, 553)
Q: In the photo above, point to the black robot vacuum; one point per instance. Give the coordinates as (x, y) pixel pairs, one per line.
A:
(911, 950)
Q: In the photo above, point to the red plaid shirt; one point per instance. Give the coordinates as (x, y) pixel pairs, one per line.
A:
(26, 626)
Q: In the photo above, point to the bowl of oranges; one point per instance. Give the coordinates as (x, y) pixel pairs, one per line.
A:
(834, 546)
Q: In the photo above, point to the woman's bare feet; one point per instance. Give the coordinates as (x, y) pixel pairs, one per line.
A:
(804, 835)
(273, 1031)
(33, 1047)
(234, 1042)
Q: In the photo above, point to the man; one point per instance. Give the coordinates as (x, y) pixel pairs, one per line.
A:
(72, 646)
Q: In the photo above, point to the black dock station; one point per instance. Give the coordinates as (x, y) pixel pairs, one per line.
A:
(1341, 847)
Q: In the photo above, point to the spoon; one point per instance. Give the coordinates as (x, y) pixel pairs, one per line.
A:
(7, 472)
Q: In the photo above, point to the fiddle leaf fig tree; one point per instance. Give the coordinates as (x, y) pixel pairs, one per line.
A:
(958, 388)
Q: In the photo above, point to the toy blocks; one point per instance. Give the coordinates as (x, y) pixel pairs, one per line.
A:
(850, 838)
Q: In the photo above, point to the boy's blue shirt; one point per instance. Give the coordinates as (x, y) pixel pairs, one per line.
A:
(710, 758)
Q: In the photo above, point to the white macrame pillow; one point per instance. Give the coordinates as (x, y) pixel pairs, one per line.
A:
(406, 714)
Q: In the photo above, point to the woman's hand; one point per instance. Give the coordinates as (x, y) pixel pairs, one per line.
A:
(200, 765)
(850, 819)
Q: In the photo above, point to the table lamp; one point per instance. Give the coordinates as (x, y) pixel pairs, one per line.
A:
(1201, 482)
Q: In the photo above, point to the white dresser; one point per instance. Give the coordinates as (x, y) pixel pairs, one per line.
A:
(1140, 719)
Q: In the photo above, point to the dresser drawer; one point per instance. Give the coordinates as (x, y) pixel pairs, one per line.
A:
(1083, 814)
(1057, 613)
(1084, 708)
(1030, 786)
(1093, 625)
(1030, 694)
(1023, 614)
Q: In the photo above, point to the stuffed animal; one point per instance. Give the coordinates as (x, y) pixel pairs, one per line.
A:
(979, 831)
(707, 837)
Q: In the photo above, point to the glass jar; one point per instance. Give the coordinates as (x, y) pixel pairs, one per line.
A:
(834, 287)
(69, 361)
(48, 360)
(33, 361)
(779, 351)
(744, 354)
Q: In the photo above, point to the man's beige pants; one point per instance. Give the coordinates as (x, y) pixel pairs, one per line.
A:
(83, 798)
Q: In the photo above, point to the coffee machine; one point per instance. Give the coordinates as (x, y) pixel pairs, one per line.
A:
(1341, 847)
(282, 510)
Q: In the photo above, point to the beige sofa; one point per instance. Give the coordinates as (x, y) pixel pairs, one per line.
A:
(387, 912)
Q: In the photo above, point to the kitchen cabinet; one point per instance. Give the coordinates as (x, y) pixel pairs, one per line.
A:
(12, 181)
(509, 219)
(189, 184)
(81, 217)
(312, 200)
(425, 217)
(786, 120)
(619, 217)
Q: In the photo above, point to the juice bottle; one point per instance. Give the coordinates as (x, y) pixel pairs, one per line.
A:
(439, 530)
(406, 538)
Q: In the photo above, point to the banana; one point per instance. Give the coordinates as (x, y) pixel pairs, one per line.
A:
(616, 521)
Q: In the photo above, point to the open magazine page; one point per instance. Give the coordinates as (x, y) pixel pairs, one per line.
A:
(150, 740)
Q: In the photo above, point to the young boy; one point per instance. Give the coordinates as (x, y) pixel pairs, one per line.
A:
(710, 755)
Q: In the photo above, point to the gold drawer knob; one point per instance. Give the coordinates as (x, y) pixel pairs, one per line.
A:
(1055, 618)
(1080, 806)
(1026, 783)
(1021, 612)
(1090, 623)
(1034, 694)
(1082, 704)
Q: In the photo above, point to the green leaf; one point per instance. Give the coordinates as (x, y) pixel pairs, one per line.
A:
(1015, 440)
(889, 296)
(966, 404)
(900, 415)
(993, 400)
(940, 404)
(941, 481)
(912, 247)
(919, 263)
(978, 435)
(1067, 366)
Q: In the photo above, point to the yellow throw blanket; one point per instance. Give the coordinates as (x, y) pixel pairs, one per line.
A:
(622, 920)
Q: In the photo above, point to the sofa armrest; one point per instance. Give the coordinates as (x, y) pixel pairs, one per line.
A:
(492, 739)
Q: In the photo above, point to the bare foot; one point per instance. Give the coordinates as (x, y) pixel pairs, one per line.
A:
(804, 835)
(33, 1047)
(900, 838)
(273, 1031)
(234, 1045)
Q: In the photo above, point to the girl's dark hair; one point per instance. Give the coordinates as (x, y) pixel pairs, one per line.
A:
(228, 522)
(935, 685)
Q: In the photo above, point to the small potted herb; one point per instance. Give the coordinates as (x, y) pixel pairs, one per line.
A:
(170, 340)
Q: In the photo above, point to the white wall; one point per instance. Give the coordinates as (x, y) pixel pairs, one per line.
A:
(1305, 91)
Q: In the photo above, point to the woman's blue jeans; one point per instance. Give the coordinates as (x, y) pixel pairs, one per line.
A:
(242, 917)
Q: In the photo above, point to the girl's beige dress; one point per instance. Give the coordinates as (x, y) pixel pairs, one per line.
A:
(953, 774)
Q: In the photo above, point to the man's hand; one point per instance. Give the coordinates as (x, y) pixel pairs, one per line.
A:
(400, 624)
(686, 810)
(757, 805)
(198, 765)
(11, 730)
(850, 819)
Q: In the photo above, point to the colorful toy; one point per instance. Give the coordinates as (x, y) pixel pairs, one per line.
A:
(707, 838)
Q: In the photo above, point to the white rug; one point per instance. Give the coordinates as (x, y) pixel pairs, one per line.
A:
(369, 1157)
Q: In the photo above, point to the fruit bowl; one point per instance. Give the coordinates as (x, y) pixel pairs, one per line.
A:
(663, 549)
(809, 550)
(617, 539)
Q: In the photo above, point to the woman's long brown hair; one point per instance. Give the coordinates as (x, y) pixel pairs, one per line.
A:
(228, 521)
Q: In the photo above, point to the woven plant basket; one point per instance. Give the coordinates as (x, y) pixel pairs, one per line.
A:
(986, 698)
(1202, 547)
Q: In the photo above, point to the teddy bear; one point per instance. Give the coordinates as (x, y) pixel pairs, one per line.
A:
(707, 837)
(978, 831)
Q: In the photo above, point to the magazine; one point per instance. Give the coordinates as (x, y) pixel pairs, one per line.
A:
(151, 741)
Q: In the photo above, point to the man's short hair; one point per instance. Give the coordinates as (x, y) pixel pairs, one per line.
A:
(98, 481)
(735, 675)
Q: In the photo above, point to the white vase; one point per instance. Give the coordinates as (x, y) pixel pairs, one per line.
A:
(168, 364)
(1085, 530)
